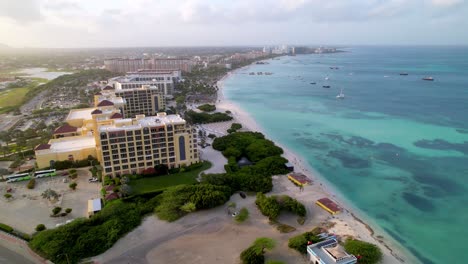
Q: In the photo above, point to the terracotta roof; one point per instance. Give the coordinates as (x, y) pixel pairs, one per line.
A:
(108, 87)
(65, 129)
(116, 115)
(96, 111)
(332, 206)
(42, 146)
(105, 103)
(112, 196)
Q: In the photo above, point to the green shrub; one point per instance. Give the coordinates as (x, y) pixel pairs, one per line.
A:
(203, 196)
(268, 206)
(6, 228)
(275, 262)
(56, 210)
(299, 242)
(31, 184)
(284, 228)
(40, 227)
(68, 210)
(368, 252)
(242, 215)
(207, 108)
(251, 256)
(7, 195)
(73, 185)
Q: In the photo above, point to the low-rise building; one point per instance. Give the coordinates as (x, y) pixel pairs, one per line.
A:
(329, 252)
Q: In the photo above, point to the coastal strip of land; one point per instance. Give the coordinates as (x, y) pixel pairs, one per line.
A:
(347, 223)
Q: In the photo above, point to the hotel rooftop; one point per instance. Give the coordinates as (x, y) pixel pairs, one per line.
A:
(143, 121)
(67, 144)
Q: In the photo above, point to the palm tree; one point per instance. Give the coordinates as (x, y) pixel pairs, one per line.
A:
(262, 243)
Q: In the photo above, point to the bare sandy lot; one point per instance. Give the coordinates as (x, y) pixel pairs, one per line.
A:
(28, 209)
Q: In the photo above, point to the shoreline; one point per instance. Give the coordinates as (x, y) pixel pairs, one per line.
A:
(392, 251)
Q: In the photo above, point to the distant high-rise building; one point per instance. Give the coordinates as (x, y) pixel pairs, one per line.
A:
(124, 65)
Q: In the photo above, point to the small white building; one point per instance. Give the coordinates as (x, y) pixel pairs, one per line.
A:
(329, 252)
(94, 206)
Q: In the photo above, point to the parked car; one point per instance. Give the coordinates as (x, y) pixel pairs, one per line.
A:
(92, 179)
(243, 195)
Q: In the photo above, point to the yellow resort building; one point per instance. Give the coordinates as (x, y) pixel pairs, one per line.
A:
(122, 145)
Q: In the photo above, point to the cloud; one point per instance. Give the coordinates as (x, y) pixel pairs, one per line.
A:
(24, 11)
(446, 3)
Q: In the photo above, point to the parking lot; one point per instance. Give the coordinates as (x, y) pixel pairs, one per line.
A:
(27, 208)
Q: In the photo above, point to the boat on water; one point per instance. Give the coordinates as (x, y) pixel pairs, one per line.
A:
(252, 73)
(404, 73)
(313, 83)
(429, 78)
(340, 95)
(326, 86)
(268, 73)
(259, 73)
(326, 78)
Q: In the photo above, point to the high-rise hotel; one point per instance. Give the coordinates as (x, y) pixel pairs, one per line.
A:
(126, 131)
(134, 64)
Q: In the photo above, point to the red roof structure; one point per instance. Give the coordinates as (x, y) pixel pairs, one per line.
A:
(42, 147)
(299, 178)
(108, 87)
(95, 112)
(116, 116)
(112, 196)
(328, 205)
(65, 129)
(105, 103)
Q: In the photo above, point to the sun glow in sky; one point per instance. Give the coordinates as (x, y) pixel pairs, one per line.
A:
(129, 23)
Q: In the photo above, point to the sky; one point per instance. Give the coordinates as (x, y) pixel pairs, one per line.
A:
(137, 23)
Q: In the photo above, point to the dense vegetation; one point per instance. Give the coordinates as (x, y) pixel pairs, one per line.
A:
(299, 242)
(234, 128)
(255, 253)
(257, 177)
(207, 107)
(252, 145)
(203, 118)
(272, 206)
(84, 238)
(179, 200)
(366, 252)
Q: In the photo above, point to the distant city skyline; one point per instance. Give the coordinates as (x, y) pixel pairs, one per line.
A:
(145, 23)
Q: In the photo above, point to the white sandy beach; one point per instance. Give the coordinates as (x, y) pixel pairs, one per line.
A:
(348, 222)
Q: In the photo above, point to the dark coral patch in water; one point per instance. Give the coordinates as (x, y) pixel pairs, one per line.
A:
(443, 184)
(312, 143)
(418, 202)
(348, 160)
(353, 140)
(462, 131)
(441, 144)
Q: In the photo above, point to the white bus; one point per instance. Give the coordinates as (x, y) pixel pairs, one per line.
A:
(19, 177)
(44, 173)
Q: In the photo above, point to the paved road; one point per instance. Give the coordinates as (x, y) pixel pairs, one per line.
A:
(8, 257)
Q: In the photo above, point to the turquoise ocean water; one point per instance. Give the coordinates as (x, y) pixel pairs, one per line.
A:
(396, 147)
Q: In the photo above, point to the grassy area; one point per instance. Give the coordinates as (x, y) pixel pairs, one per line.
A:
(10, 98)
(161, 182)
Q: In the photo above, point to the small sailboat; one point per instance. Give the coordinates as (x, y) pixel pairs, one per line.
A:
(326, 78)
(341, 95)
